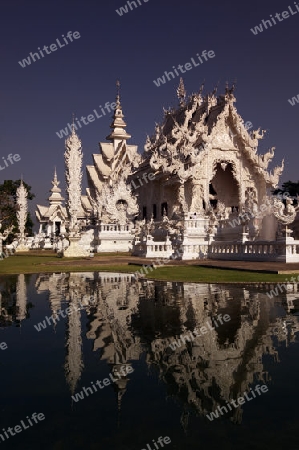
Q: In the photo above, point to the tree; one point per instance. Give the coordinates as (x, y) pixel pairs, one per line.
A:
(8, 206)
(288, 188)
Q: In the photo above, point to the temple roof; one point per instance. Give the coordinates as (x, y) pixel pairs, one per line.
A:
(107, 150)
(46, 213)
(93, 177)
(85, 202)
(200, 125)
(102, 167)
(115, 159)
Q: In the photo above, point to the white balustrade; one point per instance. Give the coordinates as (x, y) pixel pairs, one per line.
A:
(262, 251)
(110, 228)
(157, 249)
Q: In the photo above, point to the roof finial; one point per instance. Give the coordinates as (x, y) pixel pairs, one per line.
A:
(118, 94)
(215, 89)
(233, 86)
(202, 87)
(73, 124)
(181, 92)
(55, 175)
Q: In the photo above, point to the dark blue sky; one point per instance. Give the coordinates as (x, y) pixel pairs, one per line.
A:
(38, 100)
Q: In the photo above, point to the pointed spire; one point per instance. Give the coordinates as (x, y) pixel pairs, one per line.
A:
(118, 125)
(55, 196)
(55, 181)
(181, 92)
(229, 92)
(215, 89)
(202, 87)
(73, 124)
(73, 139)
(118, 94)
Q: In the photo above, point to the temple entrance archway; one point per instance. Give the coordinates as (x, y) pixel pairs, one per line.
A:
(57, 228)
(224, 187)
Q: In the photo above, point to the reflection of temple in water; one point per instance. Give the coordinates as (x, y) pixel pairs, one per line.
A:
(128, 317)
(13, 301)
(69, 291)
(21, 298)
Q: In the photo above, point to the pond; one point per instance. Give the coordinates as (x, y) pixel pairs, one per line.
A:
(106, 361)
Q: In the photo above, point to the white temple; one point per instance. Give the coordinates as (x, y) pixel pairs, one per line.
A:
(52, 218)
(199, 190)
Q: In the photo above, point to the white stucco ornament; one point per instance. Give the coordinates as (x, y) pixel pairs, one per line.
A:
(73, 162)
(73, 172)
(284, 214)
(22, 215)
(120, 204)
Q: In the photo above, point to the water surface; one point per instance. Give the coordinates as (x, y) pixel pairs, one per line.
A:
(115, 321)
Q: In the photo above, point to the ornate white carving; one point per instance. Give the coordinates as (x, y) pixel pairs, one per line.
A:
(22, 208)
(73, 161)
(22, 214)
(181, 92)
(284, 214)
(117, 204)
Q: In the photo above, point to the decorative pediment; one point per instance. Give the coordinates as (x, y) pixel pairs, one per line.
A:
(203, 123)
(58, 213)
(223, 141)
(117, 203)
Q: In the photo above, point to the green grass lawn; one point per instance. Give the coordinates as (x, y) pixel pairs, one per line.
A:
(43, 263)
(210, 275)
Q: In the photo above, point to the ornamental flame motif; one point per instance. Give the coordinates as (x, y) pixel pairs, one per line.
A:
(73, 161)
